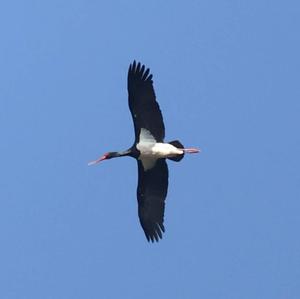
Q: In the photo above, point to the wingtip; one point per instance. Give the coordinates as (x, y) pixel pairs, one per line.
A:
(156, 234)
(138, 69)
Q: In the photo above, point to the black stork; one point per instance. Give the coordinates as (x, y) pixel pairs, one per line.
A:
(149, 150)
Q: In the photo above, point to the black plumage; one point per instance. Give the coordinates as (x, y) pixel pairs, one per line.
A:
(144, 109)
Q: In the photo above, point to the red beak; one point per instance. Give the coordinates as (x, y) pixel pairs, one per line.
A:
(98, 160)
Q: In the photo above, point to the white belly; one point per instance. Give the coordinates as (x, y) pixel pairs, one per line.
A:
(157, 150)
(163, 150)
(150, 150)
(149, 155)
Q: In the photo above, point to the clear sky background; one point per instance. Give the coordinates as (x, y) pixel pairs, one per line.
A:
(226, 75)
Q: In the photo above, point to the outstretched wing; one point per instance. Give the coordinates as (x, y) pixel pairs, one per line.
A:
(144, 109)
(151, 194)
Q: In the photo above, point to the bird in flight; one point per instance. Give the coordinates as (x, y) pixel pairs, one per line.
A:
(149, 150)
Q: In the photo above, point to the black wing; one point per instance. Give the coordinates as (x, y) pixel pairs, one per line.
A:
(151, 193)
(142, 104)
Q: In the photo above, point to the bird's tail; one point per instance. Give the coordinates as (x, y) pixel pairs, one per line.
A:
(177, 144)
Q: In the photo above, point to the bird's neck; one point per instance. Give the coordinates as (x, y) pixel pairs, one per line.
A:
(120, 154)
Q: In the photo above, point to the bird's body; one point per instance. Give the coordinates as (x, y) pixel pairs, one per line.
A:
(160, 150)
(149, 150)
(148, 146)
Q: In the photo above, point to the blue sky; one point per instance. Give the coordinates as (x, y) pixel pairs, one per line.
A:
(226, 75)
